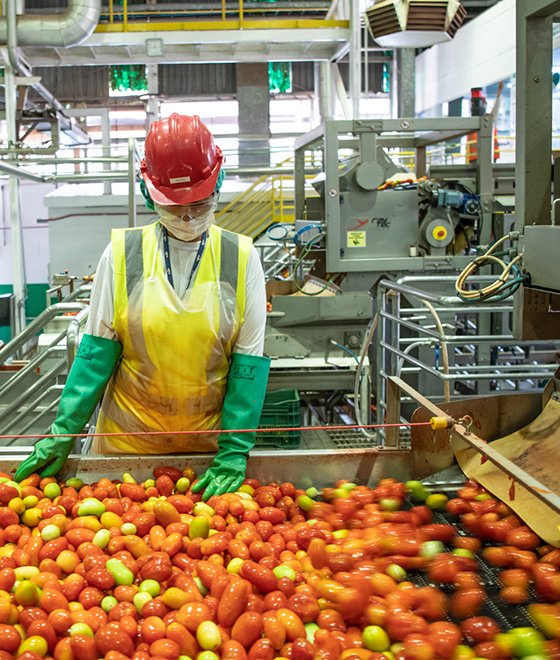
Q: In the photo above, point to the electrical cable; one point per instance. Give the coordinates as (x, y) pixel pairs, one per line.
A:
(274, 226)
(500, 288)
(307, 248)
(445, 355)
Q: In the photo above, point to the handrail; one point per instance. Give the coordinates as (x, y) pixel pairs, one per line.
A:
(55, 370)
(37, 325)
(73, 336)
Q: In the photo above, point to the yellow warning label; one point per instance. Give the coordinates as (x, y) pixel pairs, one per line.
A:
(356, 239)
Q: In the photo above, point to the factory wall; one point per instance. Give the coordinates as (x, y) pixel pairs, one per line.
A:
(482, 53)
(36, 243)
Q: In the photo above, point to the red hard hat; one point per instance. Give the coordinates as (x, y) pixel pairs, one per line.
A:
(181, 162)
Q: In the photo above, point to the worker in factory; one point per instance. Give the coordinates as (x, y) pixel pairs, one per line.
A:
(175, 333)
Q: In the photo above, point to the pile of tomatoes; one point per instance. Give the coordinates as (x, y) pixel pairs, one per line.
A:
(149, 571)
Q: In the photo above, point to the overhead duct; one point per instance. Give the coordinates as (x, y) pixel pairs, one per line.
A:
(64, 30)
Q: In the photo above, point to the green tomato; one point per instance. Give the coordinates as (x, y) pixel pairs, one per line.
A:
(483, 496)
(390, 504)
(91, 507)
(305, 502)
(203, 590)
(437, 500)
(128, 529)
(462, 552)
(108, 603)
(527, 642)
(348, 486)
(50, 532)
(80, 629)
(74, 482)
(310, 630)
(102, 538)
(122, 575)
(375, 639)
(151, 587)
(312, 492)
(396, 572)
(140, 599)
(52, 491)
(284, 571)
(431, 549)
(182, 485)
(417, 489)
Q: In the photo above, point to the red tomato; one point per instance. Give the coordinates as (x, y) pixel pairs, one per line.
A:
(480, 629)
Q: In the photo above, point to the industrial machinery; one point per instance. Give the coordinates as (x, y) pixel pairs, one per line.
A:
(366, 221)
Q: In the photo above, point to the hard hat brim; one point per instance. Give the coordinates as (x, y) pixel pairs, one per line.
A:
(180, 195)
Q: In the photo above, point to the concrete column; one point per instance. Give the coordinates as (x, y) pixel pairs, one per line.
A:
(406, 74)
(254, 113)
(152, 104)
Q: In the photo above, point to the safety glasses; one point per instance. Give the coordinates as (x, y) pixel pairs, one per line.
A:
(188, 211)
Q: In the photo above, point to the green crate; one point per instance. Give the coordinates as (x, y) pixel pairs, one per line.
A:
(281, 409)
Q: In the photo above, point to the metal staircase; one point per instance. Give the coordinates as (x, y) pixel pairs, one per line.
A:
(30, 390)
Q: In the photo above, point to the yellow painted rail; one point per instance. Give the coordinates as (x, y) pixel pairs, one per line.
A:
(263, 204)
(118, 18)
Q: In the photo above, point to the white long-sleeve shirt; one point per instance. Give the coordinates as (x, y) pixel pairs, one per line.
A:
(250, 340)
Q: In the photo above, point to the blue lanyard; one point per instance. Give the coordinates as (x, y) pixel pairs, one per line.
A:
(168, 260)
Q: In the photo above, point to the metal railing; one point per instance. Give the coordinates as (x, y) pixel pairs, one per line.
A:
(26, 394)
(481, 350)
(217, 15)
(264, 203)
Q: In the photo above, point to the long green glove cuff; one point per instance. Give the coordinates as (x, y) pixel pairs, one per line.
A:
(94, 363)
(246, 388)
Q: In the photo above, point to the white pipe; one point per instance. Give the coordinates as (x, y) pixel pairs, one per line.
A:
(16, 234)
(355, 82)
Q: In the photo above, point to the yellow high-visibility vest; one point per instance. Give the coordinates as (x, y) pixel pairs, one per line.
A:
(173, 371)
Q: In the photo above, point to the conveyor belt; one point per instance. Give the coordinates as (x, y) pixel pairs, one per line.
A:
(507, 615)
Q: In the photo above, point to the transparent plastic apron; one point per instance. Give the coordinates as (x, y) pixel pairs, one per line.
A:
(173, 371)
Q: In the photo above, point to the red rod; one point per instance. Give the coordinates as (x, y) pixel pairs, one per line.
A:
(274, 430)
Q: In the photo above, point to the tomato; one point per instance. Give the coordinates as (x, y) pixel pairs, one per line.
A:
(112, 638)
(445, 638)
(480, 629)
(514, 595)
(248, 629)
(401, 623)
(467, 603)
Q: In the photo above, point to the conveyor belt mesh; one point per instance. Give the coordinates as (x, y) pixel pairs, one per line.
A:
(507, 615)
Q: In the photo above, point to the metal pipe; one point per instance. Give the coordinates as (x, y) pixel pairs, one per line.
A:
(496, 340)
(131, 183)
(10, 97)
(462, 377)
(14, 170)
(70, 28)
(36, 325)
(73, 336)
(77, 293)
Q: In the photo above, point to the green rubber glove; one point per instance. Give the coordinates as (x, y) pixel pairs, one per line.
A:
(94, 363)
(246, 387)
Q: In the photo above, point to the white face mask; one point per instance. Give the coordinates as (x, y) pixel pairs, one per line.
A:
(189, 222)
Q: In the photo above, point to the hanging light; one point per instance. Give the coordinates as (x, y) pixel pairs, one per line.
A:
(414, 23)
